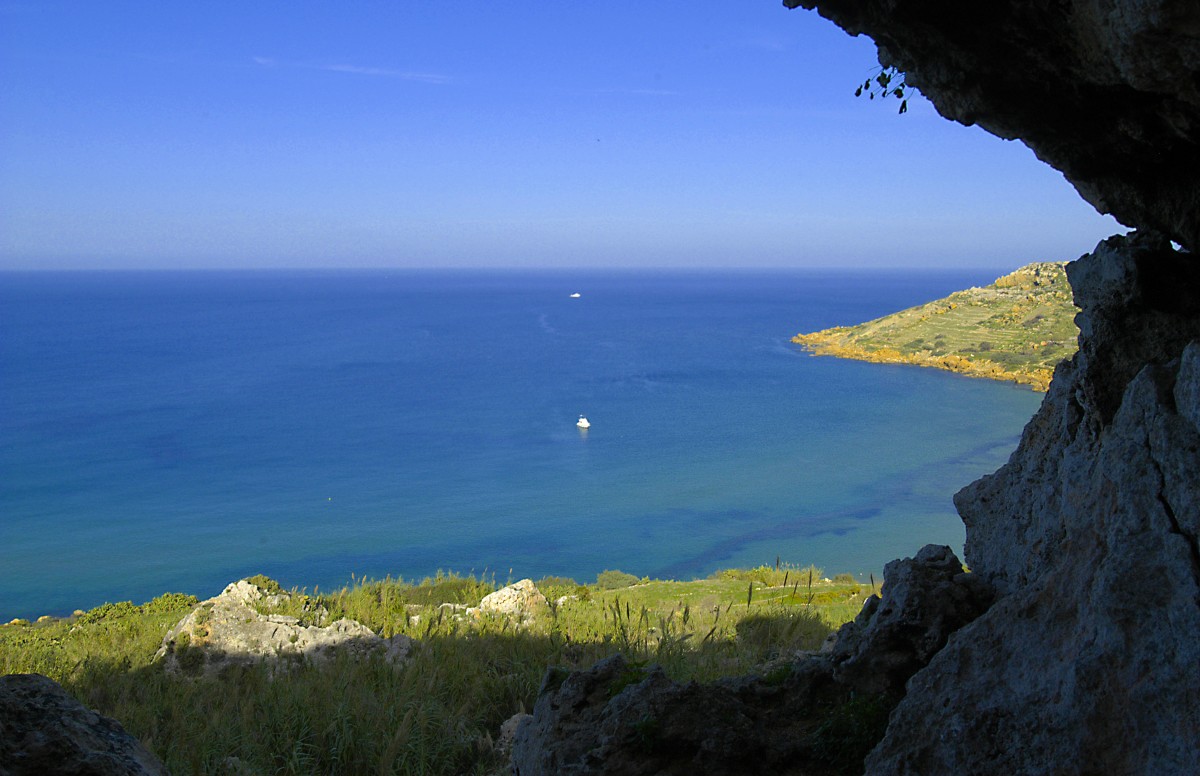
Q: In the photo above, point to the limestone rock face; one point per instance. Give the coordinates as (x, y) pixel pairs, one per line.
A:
(1139, 306)
(1088, 661)
(45, 731)
(1103, 90)
(520, 599)
(229, 629)
(620, 718)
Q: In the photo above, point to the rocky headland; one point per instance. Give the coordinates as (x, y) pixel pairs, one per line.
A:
(1016, 329)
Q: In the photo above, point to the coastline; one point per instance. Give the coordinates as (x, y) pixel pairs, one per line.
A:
(832, 342)
(1017, 329)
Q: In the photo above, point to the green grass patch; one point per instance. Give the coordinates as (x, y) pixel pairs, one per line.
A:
(440, 711)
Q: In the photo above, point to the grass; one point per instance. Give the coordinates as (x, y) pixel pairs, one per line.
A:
(440, 711)
(1018, 328)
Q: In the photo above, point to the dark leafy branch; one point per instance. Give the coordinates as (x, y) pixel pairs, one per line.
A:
(888, 82)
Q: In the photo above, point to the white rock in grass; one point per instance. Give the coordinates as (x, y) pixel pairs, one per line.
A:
(229, 630)
(520, 599)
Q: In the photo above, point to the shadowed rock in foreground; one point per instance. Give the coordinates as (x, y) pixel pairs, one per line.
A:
(806, 716)
(43, 730)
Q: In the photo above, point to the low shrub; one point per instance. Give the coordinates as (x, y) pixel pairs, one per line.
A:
(106, 611)
(557, 587)
(265, 583)
(615, 580)
(170, 602)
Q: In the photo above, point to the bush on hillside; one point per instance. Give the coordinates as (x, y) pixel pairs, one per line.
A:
(615, 580)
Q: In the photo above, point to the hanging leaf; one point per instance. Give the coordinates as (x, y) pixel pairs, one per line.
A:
(858, 92)
(904, 106)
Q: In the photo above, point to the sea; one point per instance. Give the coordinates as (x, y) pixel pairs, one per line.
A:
(176, 431)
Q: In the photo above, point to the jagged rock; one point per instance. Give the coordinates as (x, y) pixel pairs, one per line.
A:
(1088, 661)
(621, 718)
(45, 731)
(927, 599)
(520, 599)
(1103, 90)
(230, 630)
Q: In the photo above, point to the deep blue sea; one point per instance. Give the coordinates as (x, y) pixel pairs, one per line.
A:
(176, 431)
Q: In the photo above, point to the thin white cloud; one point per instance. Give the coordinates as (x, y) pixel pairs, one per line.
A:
(404, 75)
(642, 92)
(377, 72)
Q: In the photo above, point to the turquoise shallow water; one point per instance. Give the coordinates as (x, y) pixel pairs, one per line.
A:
(176, 431)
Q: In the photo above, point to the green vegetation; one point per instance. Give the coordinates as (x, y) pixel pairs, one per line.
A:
(1018, 329)
(615, 580)
(439, 711)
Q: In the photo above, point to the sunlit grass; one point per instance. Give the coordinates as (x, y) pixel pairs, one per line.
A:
(440, 711)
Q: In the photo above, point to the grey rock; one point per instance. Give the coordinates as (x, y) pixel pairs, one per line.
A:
(622, 718)
(230, 630)
(508, 731)
(45, 731)
(926, 599)
(521, 599)
(1088, 661)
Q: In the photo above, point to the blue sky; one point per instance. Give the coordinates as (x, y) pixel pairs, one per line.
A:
(517, 134)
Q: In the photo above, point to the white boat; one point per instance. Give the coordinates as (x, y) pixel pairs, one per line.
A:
(583, 422)
(575, 295)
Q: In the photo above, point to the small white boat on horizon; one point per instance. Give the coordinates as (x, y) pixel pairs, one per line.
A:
(583, 422)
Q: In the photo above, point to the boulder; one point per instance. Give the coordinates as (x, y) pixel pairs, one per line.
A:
(520, 599)
(926, 599)
(237, 628)
(45, 731)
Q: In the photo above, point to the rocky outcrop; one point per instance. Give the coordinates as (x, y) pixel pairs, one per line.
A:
(45, 731)
(521, 600)
(925, 600)
(238, 628)
(1106, 91)
(622, 718)
(1139, 311)
(1088, 661)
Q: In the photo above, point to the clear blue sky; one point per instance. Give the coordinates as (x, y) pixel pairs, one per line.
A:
(532, 134)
